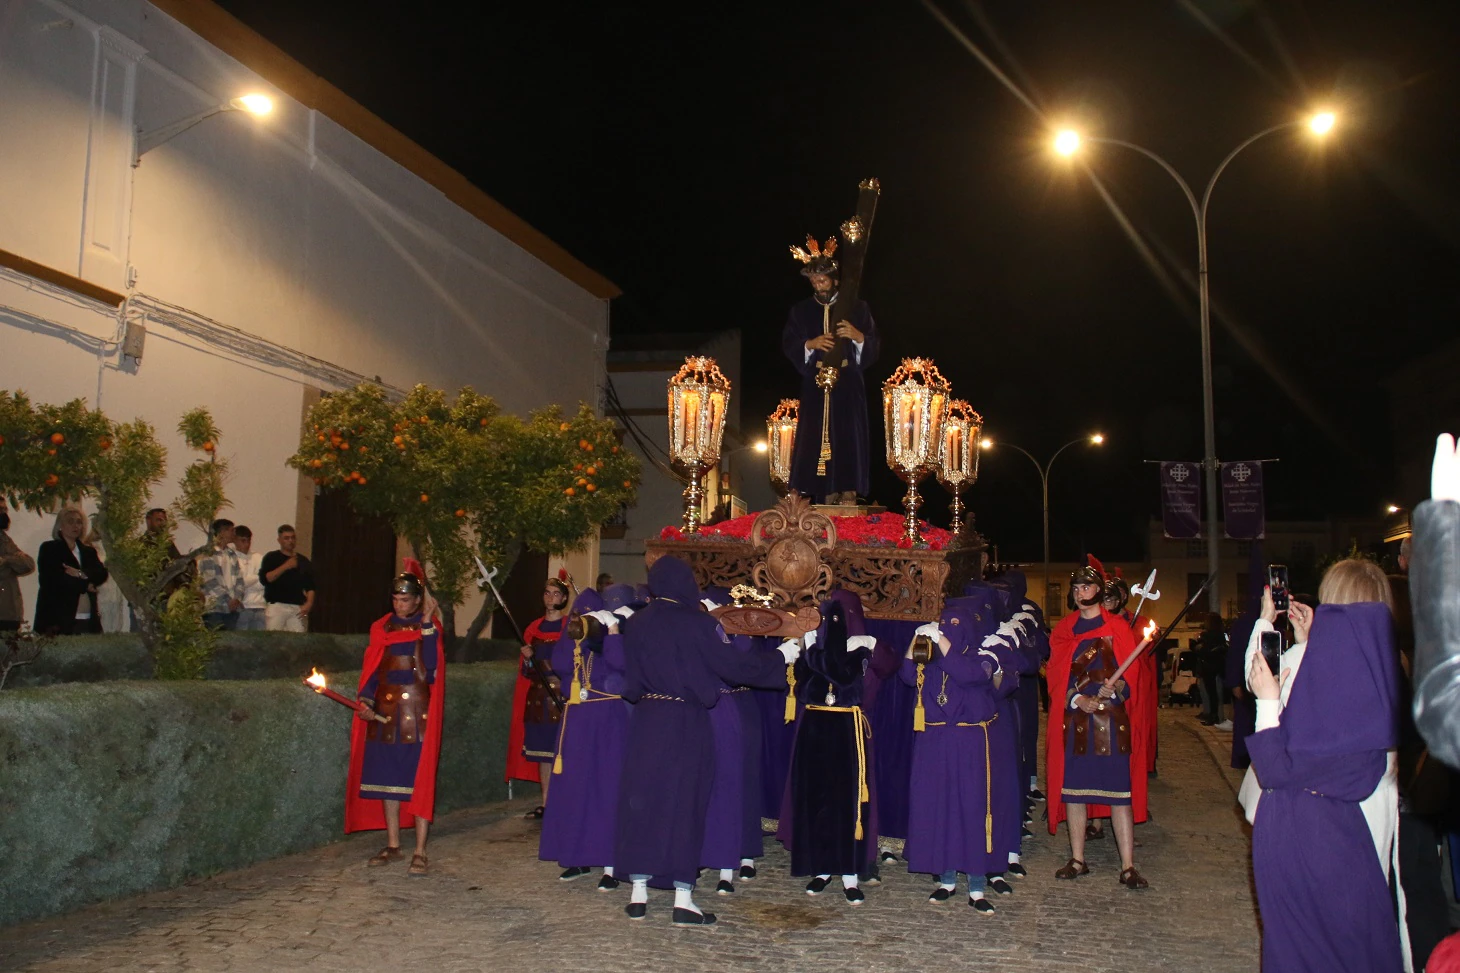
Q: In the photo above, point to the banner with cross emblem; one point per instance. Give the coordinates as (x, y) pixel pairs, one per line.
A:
(1181, 500)
(1243, 509)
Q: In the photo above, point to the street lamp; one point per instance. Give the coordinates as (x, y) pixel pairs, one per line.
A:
(253, 104)
(1095, 439)
(1068, 142)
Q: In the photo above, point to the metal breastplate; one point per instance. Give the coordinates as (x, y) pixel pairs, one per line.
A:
(1106, 732)
(404, 705)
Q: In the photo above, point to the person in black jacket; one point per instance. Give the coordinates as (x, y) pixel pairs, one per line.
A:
(70, 574)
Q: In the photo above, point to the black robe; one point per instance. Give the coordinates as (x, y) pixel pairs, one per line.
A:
(849, 466)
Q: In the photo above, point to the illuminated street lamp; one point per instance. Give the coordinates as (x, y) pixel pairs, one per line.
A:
(1068, 142)
(255, 104)
(1094, 439)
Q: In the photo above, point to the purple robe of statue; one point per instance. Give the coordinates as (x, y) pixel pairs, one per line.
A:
(578, 823)
(952, 819)
(676, 659)
(849, 467)
(1325, 905)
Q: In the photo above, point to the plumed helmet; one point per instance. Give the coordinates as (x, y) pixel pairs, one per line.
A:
(411, 581)
(1118, 588)
(1091, 572)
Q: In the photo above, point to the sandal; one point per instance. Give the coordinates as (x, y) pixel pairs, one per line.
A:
(535, 814)
(1132, 880)
(418, 866)
(385, 857)
(1073, 869)
(1093, 833)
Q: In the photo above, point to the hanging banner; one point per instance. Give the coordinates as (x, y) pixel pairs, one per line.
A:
(1181, 500)
(1243, 509)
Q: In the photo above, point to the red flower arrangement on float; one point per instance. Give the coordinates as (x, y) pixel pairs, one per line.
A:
(871, 530)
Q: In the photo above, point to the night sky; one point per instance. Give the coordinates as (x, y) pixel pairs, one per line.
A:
(680, 154)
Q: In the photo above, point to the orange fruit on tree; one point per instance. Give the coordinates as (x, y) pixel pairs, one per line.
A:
(316, 464)
(592, 470)
(320, 437)
(484, 421)
(590, 488)
(361, 481)
(57, 438)
(615, 449)
(52, 479)
(425, 498)
(344, 445)
(460, 512)
(364, 449)
(105, 443)
(570, 492)
(562, 427)
(584, 444)
(577, 467)
(208, 446)
(2, 440)
(581, 481)
(627, 485)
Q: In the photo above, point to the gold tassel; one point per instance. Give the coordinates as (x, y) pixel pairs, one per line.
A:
(791, 693)
(577, 687)
(920, 716)
(558, 764)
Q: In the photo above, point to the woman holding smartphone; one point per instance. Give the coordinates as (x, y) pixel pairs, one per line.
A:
(1324, 896)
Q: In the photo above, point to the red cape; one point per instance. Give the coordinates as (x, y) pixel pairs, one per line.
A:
(518, 766)
(1062, 642)
(362, 814)
(1144, 692)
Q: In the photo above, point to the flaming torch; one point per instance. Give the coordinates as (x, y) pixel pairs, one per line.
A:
(1147, 634)
(316, 681)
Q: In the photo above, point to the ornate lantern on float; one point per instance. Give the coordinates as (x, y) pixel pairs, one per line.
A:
(698, 396)
(958, 454)
(914, 406)
(780, 437)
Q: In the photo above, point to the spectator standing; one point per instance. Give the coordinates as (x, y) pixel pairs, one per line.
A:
(70, 573)
(14, 565)
(157, 534)
(288, 580)
(222, 580)
(251, 615)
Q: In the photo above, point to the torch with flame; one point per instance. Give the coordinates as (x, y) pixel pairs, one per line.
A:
(1147, 634)
(317, 682)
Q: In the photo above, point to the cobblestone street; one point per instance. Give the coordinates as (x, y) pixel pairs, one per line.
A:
(490, 904)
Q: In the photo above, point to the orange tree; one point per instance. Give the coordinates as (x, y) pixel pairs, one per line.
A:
(457, 478)
(52, 454)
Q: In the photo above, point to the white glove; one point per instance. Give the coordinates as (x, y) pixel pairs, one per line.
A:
(1022, 616)
(930, 629)
(855, 642)
(605, 618)
(709, 605)
(998, 667)
(1445, 473)
(623, 612)
(790, 650)
(995, 639)
(809, 638)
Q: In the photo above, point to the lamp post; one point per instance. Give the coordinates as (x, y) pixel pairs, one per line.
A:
(256, 105)
(1067, 143)
(1094, 440)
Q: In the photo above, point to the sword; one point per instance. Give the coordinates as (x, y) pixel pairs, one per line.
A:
(1145, 591)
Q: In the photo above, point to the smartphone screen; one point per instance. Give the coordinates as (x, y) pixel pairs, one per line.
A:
(1272, 651)
(1277, 581)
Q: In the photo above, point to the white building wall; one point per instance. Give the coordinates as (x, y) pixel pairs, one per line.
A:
(244, 246)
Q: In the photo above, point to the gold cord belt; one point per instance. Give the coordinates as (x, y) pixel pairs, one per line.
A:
(578, 693)
(660, 697)
(988, 782)
(862, 731)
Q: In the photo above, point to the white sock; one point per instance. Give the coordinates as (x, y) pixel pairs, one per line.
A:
(976, 894)
(608, 870)
(849, 881)
(727, 874)
(824, 877)
(1013, 858)
(640, 894)
(747, 863)
(950, 886)
(683, 900)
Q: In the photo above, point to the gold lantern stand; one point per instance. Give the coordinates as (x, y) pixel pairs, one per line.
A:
(698, 396)
(780, 437)
(958, 455)
(914, 407)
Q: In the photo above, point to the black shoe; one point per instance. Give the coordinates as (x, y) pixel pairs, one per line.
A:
(855, 895)
(982, 906)
(689, 917)
(636, 910)
(817, 885)
(887, 856)
(999, 885)
(747, 873)
(1035, 794)
(607, 883)
(872, 879)
(572, 873)
(724, 888)
(1017, 870)
(940, 894)
(1023, 830)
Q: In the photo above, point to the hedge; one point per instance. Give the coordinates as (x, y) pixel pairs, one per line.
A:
(115, 788)
(240, 655)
